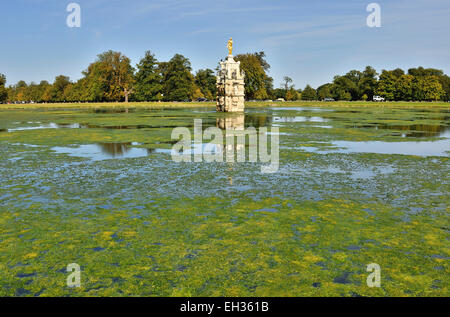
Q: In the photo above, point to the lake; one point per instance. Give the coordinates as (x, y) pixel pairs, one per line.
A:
(355, 185)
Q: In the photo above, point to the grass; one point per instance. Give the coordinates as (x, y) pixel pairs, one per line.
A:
(181, 105)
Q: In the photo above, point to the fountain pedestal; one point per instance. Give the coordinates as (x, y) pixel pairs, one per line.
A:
(230, 86)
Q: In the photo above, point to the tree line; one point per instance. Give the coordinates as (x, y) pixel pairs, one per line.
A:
(418, 84)
(112, 78)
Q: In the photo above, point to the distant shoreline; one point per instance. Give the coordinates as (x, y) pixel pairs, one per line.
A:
(177, 105)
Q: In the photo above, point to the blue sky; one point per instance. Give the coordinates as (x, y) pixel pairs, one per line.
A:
(310, 41)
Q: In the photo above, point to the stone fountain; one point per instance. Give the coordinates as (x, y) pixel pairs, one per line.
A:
(230, 84)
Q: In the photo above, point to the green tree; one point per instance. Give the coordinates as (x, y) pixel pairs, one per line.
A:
(355, 77)
(3, 91)
(279, 93)
(309, 93)
(206, 81)
(424, 72)
(257, 82)
(43, 85)
(404, 88)
(445, 82)
(60, 84)
(443, 79)
(387, 85)
(428, 88)
(47, 95)
(368, 83)
(324, 91)
(109, 78)
(343, 87)
(20, 91)
(292, 94)
(148, 79)
(178, 81)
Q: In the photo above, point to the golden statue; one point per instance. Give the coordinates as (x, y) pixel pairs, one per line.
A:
(230, 46)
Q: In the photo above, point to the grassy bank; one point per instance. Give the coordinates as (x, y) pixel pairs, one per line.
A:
(176, 105)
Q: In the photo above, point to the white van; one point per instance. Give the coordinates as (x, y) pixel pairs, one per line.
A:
(378, 98)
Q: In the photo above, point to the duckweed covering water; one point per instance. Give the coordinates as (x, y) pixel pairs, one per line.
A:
(142, 225)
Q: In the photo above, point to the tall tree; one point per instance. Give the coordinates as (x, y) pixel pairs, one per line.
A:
(60, 84)
(354, 76)
(20, 91)
(110, 78)
(148, 85)
(368, 83)
(388, 82)
(342, 88)
(256, 79)
(404, 88)
(287, 80)
(178, 81)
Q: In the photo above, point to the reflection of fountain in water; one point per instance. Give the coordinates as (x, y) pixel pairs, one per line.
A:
(230, 124)
(233, 122)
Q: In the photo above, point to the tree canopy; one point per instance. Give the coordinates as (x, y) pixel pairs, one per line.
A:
(258, 84)
(178, 81)
(148, 79)
(110, 78)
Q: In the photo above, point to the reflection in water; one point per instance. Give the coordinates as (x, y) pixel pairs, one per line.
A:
(298, 119)
(235, 122)
(115, 149)
(306, 109)
(257, 120)
(242, 121)
(104, 151)
(92, 126)
(425, 148)
(415, 130)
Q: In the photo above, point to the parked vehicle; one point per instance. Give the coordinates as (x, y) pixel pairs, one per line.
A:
(378, 98)
(328, 99)
(202, 100)
(281, 99)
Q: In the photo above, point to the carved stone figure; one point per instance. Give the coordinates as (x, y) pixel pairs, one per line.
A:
(230, 46)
